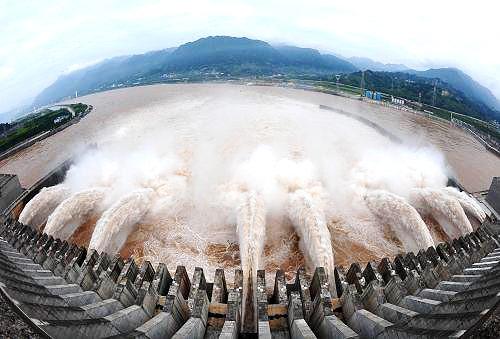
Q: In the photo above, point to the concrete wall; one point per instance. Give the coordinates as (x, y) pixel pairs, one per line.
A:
(10, 190)
(493, 197)
(54, 177)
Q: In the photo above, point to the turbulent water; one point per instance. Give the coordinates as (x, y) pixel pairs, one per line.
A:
(218, 175)
(251, 221)
(403, 219)
(118, 221)
(468, 203)
(38, 209)
(444, 208)
(73, 212)
(310, 224)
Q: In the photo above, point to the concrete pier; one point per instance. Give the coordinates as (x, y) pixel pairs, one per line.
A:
(64, 291)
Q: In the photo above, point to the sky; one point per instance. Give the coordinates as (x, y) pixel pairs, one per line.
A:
(43, 39)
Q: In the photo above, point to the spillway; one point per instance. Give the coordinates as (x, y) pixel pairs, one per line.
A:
(310, 223)
(444, 208)
(38, 209)
(251, 225)
(468, 204)
(202, 134)
(402, 218)
(73, 212)
(118, 221)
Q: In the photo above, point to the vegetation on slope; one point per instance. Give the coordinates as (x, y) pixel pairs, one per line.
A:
(35, 124)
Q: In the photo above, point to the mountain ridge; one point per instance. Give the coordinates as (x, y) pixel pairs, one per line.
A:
(239, 57)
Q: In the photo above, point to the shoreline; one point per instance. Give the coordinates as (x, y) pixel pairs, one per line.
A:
(33, 140)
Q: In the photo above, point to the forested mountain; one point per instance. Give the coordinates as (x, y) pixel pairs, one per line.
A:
(464, 83)
(229, 55)
(225, 57)
(410, 86)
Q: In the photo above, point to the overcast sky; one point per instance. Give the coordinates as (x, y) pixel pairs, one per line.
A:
(42, 39)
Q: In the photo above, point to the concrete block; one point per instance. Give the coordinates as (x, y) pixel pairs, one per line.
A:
(264, 330)
(439, 295)
(299, 330)
(394, 313)
(279, 292)
(368, 325)
(302, 284)
(465, 277)
(419, 305)
(351, 302)
(127, 319)
(453, 286)
(395, 290)
(230, 330)
(333, 327)
(219, 290)
(196, 325)
(102, 308)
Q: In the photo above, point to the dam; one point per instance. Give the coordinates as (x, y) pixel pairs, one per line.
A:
(64, 290)
(277, 209)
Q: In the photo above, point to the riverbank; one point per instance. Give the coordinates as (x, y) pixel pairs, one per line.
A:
(27, 143)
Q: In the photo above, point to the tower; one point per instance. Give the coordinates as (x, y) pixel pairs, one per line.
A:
(362, 83)
(434, 93)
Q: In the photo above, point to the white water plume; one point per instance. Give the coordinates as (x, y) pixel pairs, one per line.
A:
(118, 221)
(73, 212)
(189, 146)
(38, 209)
(310, 223)
(403, 219)
(251, 224)
(444, 208)
(468, 203)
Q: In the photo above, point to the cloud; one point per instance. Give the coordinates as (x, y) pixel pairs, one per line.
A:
(75, 67)
(41, 41)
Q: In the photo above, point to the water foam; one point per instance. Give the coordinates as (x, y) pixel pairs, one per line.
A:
(251, 224)
(118, 221)
(38, 209)
(73, 212)
(468, 203)
(402, 218)
(310, 223)
(444, 208)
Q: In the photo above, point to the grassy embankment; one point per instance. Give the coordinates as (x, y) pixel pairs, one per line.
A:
(38, 123)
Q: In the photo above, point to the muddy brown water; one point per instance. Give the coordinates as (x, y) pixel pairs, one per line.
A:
(470, 162)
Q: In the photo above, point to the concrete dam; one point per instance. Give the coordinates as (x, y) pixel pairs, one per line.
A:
(63, 290)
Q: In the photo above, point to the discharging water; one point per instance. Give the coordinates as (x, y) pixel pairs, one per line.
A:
(258, 177)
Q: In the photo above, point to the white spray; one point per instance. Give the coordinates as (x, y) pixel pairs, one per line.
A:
(118, 221)
(38, 209)
(73, 212)
(251, 224)
(444, 208)
(403, 219)
(468, 203)
(310, 223)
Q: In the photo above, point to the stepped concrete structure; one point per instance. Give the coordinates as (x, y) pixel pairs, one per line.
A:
(65, 291)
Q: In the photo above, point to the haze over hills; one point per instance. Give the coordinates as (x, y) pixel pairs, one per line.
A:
(369, 64)
(453, 76)
(237, 56)
(242, 57)
(464, 83)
